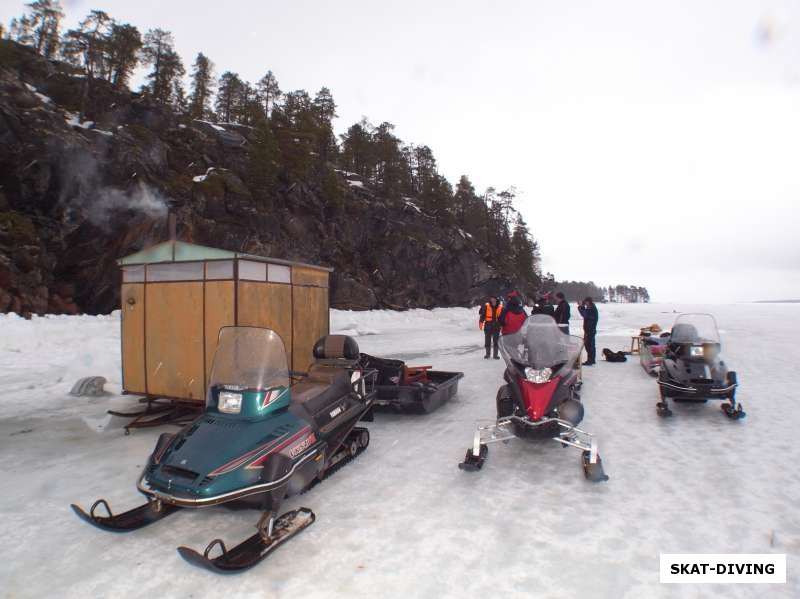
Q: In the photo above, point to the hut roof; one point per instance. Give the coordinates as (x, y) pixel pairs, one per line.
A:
(181, 251)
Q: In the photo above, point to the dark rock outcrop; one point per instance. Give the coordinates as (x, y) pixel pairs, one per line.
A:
(75, 196)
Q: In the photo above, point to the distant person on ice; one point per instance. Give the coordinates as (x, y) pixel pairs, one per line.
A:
(489, 320)
(513, 316)
(590, 317)
(562, 313)
(542, 305)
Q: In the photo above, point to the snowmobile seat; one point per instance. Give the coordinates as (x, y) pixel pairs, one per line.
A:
(313, 396)
(329, 377)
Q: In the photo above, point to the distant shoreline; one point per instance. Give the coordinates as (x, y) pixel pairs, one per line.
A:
(788, 301)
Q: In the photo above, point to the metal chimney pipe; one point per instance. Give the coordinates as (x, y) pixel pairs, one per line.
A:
(172, 226)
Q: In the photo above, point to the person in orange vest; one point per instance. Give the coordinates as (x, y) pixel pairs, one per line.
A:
(488, 320)
(514, 315)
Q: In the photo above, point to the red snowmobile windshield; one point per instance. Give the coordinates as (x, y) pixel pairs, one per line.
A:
(695, 329)
(540, 344)
(249, 358)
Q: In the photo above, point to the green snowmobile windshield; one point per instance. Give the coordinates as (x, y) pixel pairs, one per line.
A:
(249, 358)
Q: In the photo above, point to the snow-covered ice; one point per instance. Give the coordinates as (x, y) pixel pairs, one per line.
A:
(403, 520)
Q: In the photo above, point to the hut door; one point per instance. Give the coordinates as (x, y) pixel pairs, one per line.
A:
(133, 373)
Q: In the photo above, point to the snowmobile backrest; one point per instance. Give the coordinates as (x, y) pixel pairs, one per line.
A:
(336, 347)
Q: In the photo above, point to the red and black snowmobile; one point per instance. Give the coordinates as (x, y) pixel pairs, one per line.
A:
(540, 399)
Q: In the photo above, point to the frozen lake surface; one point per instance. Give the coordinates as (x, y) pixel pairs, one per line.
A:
(402, 520)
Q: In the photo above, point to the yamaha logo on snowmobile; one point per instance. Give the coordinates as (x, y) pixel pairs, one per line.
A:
(335, 412)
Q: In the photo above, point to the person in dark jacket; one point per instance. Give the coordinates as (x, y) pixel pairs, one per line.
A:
(488, 320)
(562, 313)
(513, 316)
(590, 317)
(543, 305)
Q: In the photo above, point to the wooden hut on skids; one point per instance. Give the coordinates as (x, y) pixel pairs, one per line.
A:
(176, 296)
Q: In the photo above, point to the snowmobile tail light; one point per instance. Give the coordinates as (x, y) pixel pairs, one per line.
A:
(230, 403)
(538, 376)
(696, 351)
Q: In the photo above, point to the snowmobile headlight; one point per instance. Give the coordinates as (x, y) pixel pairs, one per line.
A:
(230, 403)
(696, 351)
(538, 376)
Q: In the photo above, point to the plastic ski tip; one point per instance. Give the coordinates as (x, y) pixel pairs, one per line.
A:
(593, 472)
(736, 413)
(473, 463)
(126, 521)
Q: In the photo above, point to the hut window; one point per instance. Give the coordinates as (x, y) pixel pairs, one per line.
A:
(219, 270)
(133, 274)
(277, 273)
(252, 271)
(175, 271)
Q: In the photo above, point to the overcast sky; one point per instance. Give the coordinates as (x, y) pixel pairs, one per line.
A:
(652, 143)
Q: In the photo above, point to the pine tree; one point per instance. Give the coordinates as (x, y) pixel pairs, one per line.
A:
(180, 102)
(202, 86)
(229, 91)
(264, 159)
(124, 43)
(269, 91)
(463, 199)
(357, 155)
(526, 259)
(86, 47)
(159, 51)
(21, 31)
(325, 111)
(45, 25)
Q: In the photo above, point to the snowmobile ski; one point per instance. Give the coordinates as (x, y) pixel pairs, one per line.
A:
(734, 412)
(593, 471)
(252, 550)
(472, 462)
(138, 517)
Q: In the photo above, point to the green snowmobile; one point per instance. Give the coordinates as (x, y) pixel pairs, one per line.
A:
(260, 439)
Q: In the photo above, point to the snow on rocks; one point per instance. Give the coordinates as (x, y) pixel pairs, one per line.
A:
(209, 170)
(214, 126)
(410, 204)
(44, 99)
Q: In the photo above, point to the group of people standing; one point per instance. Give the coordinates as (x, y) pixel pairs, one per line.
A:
(496, 318)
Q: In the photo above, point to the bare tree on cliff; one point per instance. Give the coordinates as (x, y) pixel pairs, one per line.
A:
(159, 51)
(202, 86)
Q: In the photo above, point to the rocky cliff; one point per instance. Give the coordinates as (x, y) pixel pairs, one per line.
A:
(76, 195)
